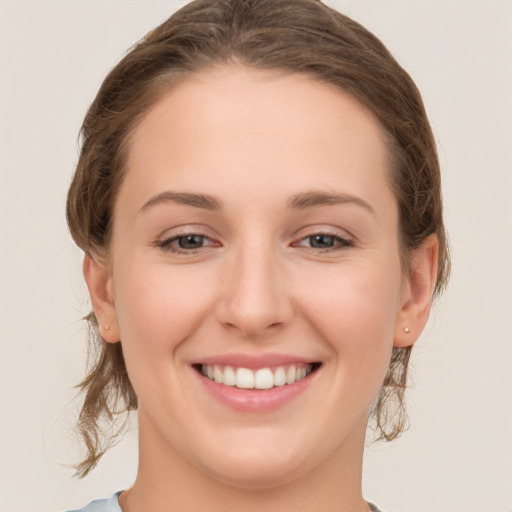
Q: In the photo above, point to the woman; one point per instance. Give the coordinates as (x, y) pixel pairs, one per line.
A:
(258, 199)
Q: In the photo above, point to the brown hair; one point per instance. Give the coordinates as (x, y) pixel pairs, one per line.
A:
(302, 36)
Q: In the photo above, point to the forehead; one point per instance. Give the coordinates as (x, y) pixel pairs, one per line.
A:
(233, 126)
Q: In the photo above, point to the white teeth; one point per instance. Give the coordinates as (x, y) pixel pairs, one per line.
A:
(218, 374)
(244, 378)
(279, 377)
(264, 378)
(229, 377)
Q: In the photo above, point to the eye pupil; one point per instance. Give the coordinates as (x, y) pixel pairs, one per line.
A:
(321, 241)
(190, 241)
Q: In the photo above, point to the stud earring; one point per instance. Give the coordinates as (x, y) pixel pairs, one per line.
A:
(106, 328)
(407, 330)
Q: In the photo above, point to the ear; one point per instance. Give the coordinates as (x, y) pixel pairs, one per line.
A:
(99, 281)
(417, 291)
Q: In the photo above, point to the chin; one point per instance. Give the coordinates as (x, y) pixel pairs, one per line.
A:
(255, 458)
(254, 473)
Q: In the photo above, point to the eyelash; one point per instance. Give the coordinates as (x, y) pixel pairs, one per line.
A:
(341, 243)
(170, 244)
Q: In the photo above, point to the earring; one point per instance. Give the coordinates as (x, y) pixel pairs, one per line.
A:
(407, 330)
(106, 328)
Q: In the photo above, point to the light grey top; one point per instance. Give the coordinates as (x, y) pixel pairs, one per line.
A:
(109, 505)
(112, 505)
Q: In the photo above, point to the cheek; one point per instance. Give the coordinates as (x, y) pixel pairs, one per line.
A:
(355, 311)
(358, 300)
(157, 309)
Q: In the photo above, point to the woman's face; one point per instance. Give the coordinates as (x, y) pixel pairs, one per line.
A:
(255, 241)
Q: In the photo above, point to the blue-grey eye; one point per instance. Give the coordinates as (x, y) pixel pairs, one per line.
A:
(322, 241)
(190, 241)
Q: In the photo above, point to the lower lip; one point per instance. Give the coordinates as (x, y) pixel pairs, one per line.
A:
(256, 400)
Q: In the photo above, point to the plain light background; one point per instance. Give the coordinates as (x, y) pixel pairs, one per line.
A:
(457, 455)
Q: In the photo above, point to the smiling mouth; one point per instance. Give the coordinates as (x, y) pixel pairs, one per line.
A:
(263, 378)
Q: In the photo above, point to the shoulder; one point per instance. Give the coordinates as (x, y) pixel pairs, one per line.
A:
(107, 505)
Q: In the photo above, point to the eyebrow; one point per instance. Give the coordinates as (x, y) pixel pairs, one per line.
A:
(302, 201)
(203, 201)
(313, 198)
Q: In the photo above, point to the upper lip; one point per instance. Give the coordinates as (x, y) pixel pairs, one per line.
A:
(253, 361)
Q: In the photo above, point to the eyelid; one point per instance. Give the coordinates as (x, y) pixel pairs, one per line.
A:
(345, 241)
(342, 241)
(165, 243)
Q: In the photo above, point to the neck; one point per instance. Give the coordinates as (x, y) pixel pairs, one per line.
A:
(166, 481)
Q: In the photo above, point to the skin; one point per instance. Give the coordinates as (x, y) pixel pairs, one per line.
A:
(258, 285)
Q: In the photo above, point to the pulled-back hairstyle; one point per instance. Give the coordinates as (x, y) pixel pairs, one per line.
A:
(303, 36)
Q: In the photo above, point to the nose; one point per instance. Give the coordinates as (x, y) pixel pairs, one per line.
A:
(255, 299)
